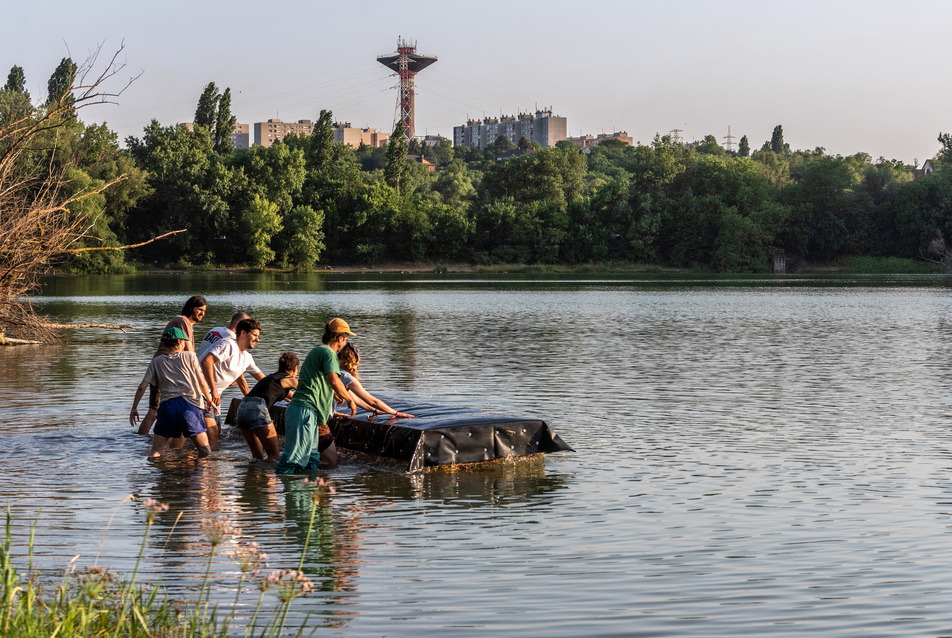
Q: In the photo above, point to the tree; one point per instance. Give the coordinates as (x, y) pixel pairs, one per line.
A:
(41, 215)
(60, 84)
(16, 82)
(205, 112)
(776, 140)
(305, 232)
(396, 168)
(224, 124)
(743, 149)
(262, 221)
(322, 142)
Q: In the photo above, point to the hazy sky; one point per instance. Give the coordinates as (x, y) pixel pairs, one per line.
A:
(849, 76)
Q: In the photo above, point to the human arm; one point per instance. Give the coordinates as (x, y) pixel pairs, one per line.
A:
(206, 392)
(243, 385)
(373, 403)
(208, 377)
(134, 413)
(290, 384)
(341, 391)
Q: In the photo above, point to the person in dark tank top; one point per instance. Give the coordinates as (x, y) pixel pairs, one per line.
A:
(254, 417)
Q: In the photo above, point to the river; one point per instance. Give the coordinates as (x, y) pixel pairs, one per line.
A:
(754, 455)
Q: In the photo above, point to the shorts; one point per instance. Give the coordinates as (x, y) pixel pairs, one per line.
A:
(209, 413)
(253, 413)
(153, 397)
(177, 417)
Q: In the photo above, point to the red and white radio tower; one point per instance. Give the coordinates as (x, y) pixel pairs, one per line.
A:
(407, 64)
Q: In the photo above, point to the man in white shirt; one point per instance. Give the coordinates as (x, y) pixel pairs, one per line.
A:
(213, 336)
(227, 362)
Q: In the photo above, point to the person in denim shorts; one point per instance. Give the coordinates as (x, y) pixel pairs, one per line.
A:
(254, 416)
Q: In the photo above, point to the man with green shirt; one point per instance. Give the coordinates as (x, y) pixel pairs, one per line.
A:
(308, 441)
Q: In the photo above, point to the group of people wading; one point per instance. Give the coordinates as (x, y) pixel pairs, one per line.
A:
(185, 387)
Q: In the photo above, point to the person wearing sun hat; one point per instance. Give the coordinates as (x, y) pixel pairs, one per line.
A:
(183, 394)
(308, 440)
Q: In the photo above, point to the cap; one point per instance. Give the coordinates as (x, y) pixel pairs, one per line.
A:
(339, 325)
(175, 333)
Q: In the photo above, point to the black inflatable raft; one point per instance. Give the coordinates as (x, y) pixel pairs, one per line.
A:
(439, 435)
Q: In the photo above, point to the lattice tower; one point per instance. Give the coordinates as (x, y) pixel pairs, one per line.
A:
(407, 64)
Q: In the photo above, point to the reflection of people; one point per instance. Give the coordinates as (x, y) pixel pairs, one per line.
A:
(227, 362)
(176, 373)
(349, 359)
(213, 336)
(254, 419)
(192, 312)
(308, 441)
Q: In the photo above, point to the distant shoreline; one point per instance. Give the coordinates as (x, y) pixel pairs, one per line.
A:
(848, 265)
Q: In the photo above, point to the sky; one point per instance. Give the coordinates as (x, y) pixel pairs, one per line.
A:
(848, 76)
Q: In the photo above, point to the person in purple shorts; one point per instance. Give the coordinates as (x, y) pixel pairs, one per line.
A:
(183, 395)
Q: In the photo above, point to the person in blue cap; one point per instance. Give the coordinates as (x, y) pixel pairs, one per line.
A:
(183, 395)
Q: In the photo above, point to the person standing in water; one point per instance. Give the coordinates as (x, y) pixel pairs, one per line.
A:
(308, 440)
(183, 393)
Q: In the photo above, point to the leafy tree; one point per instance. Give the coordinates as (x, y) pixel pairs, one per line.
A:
(16, 82)
(396, 167)
(58, 86)
(262, 221)
(440, 153)
(224, 124)
(776, 140)
(743, 149)
(414, 147)
(207, 109)
(322, 142)
(304, 227)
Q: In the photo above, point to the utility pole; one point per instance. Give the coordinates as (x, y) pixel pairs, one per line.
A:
(676, 135)
(730, 139)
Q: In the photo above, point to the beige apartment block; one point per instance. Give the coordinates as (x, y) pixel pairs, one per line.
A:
(267, 133)
(585, 141)
(344, 133)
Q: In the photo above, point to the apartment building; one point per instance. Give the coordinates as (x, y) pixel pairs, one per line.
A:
(344, 133)
(586, 141)
(267, 133)
(540, 126)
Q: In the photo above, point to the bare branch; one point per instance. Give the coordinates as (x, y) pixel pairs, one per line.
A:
(73, 251)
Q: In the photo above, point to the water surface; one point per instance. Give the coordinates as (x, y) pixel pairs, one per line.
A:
(755, 456)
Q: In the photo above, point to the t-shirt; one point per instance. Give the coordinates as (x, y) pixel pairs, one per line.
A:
(181, 321)
(230, 363)
(270, 389)
(176, 375)
(211, 339)
(314, 391)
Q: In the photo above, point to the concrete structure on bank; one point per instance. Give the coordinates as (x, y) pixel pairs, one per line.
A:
(541, 127)
(586, 141)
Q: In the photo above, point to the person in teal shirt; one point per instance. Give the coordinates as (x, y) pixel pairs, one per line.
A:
(308, 440)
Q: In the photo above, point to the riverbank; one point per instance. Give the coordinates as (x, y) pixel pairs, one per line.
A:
(846, 265)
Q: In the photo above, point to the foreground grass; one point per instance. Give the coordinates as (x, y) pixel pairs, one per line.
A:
(94, 602)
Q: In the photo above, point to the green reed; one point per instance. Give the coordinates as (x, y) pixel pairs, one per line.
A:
(94, 602)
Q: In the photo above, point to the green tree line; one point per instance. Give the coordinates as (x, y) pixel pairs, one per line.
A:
(306, 201)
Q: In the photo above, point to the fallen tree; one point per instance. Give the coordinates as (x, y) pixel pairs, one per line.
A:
(42, 216)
